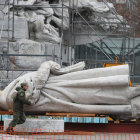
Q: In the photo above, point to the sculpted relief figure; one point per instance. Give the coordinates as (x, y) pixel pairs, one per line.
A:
(46, 21)
(72, 89)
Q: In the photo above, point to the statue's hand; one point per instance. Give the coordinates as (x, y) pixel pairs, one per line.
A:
(34, 97)
(32, 102)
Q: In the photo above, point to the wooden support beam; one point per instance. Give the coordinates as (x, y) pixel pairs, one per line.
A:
(138, 121)
(6, 112)
(55, 114)
(70, 115)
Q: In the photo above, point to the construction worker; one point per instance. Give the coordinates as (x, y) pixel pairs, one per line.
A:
(18, 105)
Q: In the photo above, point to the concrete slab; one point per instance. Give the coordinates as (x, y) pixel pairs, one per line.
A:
(38, 125)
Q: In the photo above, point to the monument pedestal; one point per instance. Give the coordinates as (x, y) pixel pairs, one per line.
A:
(38, 125)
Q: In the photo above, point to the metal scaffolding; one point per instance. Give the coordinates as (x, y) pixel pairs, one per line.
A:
(95, 53)
(106, 45)
(7, 8)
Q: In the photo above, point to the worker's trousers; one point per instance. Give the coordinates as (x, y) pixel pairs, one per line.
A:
(18, 118)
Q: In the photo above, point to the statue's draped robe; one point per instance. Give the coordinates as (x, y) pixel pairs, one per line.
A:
(71, 89)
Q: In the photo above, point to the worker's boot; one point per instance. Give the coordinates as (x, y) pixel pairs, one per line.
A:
(10, 131)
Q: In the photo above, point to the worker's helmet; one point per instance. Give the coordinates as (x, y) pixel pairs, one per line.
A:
(24, 84)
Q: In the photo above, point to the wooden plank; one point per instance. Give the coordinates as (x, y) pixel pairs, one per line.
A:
(138, 121)
(117, 121)
(6, 112)
(50, 133)
(55, 114)
(70, 114)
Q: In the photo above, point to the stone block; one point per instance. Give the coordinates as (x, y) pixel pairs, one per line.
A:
(38, 125)
(20, 27)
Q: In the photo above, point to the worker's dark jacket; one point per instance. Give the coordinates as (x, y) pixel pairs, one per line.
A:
(18, 104)
(20, 100)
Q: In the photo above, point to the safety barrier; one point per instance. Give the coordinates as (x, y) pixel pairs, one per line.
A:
(26, 134)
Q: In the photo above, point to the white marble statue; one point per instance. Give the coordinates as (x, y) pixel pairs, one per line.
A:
(72, 89)
(27, 47)
(43, 32)
(41, 17)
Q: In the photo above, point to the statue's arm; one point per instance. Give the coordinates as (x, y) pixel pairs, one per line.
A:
(42, 75)
(73, 68)
(48, 67)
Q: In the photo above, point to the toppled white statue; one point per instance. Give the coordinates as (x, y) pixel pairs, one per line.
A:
(72, 89)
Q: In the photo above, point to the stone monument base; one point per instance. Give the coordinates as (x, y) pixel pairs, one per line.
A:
(38, 125)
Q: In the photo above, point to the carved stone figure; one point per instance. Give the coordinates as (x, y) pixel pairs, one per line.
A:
(72, 89)
(46, 21)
